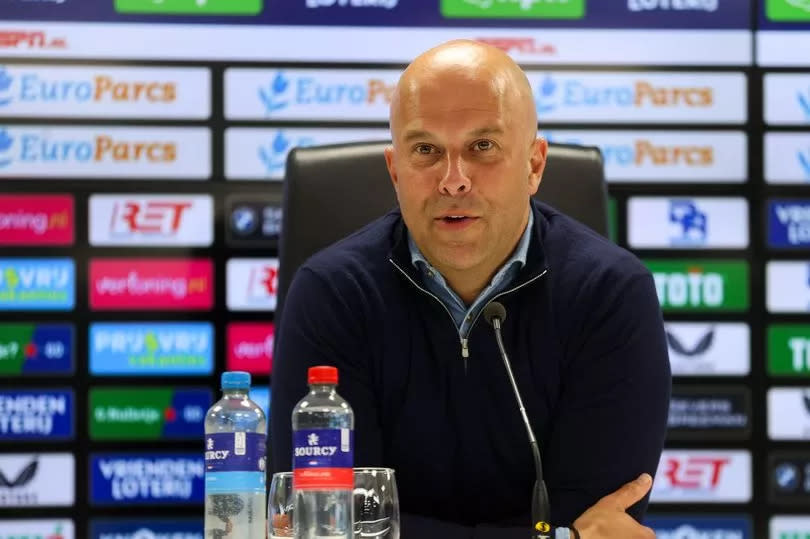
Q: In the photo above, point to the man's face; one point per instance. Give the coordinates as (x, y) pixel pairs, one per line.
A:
(464, 164)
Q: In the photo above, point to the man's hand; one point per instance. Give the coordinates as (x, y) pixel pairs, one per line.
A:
(608, 519)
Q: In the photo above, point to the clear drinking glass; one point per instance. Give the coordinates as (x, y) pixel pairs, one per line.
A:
(280, 506)
(376, 505)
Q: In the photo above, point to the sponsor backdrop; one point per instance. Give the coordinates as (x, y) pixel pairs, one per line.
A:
(140, 189)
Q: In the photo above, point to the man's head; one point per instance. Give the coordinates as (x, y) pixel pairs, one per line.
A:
(464, 127)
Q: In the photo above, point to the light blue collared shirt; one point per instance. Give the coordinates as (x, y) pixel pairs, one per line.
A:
(463, 315)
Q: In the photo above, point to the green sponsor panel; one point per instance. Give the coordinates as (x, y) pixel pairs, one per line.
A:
(514, 9)
(190, 7)
(13, 340)
(701, 285)
(789, 350)
(128, 414)
(788, 10)
(613, 219)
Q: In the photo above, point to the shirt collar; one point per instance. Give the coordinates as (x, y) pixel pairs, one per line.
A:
(518, 256)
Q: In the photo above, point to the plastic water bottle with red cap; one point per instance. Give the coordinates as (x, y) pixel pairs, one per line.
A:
(323, 458)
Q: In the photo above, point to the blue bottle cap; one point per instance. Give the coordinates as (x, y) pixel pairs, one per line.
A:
(235, 380)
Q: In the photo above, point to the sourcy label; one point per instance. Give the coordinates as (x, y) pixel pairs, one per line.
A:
(323, 458)
(235, 462)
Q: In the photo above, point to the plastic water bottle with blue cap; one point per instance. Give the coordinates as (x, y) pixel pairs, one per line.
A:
(235, 453)
(323, 458)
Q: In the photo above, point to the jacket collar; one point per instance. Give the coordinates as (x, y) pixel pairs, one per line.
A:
(536, 261)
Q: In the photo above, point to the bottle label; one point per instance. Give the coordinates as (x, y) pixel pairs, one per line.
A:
(235, 462)
(323, 459)
(235, 452)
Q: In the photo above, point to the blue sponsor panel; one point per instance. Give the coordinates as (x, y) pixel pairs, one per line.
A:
(36, 414)
(146, 528)
(695, 14)
(37, 284)
(147, 479)
(51, 350)
(700, 527)
(789, 224)
(189, 407)
(151, 349)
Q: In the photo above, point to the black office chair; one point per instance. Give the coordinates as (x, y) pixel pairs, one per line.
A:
(331, 191)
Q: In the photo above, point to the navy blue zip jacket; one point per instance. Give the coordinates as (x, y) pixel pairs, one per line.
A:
(585, 336)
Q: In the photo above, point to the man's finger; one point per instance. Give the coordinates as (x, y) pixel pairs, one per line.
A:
(628, 494)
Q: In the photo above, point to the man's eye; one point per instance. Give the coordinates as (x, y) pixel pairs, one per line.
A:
(483, 145)
(424, 149)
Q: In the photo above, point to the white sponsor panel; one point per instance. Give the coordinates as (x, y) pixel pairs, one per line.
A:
(788, 286)
(702, 476)
(789, 413)
(709, 348)
(160, 220)
(639, 97)
(256, 153)
(789, 527)
(665, 156)
(787, 98)
(37, 529)
(50, 91)
(214, 42)
(309, 94)
(37, 479)
(105, 152)
(687, 223)
(783, 48)
(787, 158)
(251, 284)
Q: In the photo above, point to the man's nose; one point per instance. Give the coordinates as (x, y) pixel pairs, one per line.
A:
(455, 181)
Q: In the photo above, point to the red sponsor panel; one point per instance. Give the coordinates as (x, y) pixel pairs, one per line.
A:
(151, 284)
(250, 347)
(36, 220)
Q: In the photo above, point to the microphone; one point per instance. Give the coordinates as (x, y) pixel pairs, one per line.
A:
(495, 314)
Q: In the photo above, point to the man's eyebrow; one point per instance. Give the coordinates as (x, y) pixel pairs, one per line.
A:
(489, 130)
(415, 134)
(420, 134)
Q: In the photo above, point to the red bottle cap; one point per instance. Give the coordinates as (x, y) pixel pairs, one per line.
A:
(322, 375)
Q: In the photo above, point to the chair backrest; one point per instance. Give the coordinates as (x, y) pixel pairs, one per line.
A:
(331, 191)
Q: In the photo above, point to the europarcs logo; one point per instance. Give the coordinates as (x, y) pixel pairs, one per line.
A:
(34, 86)
(556, 91)
(273, 153)
(285, 90)
(32, 146)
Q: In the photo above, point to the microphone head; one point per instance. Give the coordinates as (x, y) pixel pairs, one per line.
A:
(494, 310)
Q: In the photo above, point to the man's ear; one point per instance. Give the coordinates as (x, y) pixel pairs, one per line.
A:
(389, 163)
(537, 163)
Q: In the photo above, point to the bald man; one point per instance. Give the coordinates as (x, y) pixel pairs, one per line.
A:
(396, 307)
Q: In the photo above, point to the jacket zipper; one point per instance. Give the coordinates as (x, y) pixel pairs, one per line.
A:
(465, 350)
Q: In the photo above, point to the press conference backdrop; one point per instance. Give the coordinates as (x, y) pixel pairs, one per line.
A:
(141, 147)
